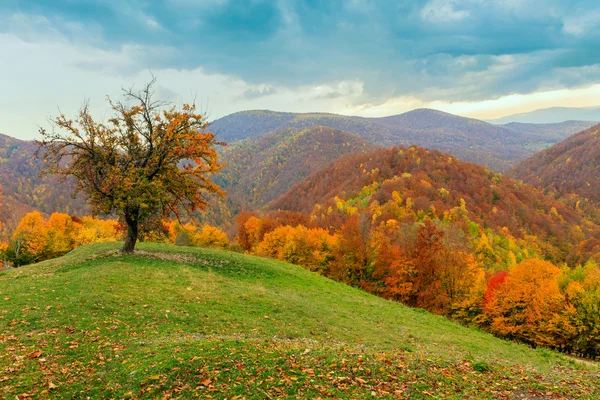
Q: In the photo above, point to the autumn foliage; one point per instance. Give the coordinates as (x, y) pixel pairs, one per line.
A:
(569, 167)
(190, 235)
(36, 238)
(425, 229)
(527, 305)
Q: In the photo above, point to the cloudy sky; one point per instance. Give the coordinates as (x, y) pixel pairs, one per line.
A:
(480, 58)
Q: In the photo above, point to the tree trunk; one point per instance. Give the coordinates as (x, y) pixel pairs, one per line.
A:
(131, 218)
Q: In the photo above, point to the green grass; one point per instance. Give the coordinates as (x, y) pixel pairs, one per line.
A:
(185, 322)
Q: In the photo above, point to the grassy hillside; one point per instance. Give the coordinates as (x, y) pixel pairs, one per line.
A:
(184, 322)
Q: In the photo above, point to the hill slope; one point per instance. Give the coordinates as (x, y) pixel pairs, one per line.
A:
(436, 183)
(495, 146)
(25, 189)
(570, 167)
(185, 322)
(258, 171)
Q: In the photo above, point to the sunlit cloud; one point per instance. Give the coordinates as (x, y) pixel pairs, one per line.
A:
(488, 109)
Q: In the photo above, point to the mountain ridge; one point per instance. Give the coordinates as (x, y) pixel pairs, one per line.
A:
(552, 115)
(498, 147)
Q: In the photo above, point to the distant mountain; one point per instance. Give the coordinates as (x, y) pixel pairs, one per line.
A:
(553, 115)
(550, 133)
(249, 124)
(260, 170)
(498, 147)
(556, 131)
(254, 124)
(570, 167)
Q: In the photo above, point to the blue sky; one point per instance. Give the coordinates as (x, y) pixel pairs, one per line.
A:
(484, 58)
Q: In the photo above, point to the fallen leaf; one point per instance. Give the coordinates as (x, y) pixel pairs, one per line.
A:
(34, 354)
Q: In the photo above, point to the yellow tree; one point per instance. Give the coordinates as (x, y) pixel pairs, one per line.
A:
(254, 232)
(147, 162)
(93, 230)
(60, 233)
(181, 235)
(310, 248)
(211, 236)
(274, 243)
(583, 294)
(29, 240)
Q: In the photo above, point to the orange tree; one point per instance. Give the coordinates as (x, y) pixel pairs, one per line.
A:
(148, 160)
(529, 305)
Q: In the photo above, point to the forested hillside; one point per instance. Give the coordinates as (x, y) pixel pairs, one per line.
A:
(260, 170)
(570, 167)
(433, 183)
(495, 146)
(25, 189)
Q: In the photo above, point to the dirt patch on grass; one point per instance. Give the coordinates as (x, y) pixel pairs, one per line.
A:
(182, 258)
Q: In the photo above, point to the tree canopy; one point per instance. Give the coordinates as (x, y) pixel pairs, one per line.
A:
(148, 160)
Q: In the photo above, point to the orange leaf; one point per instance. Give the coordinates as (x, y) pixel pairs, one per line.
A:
(34, 354)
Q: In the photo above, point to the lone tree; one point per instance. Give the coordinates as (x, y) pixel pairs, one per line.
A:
(148, 161)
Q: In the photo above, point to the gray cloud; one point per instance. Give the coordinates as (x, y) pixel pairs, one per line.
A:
(448, 50)
(258, 91)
